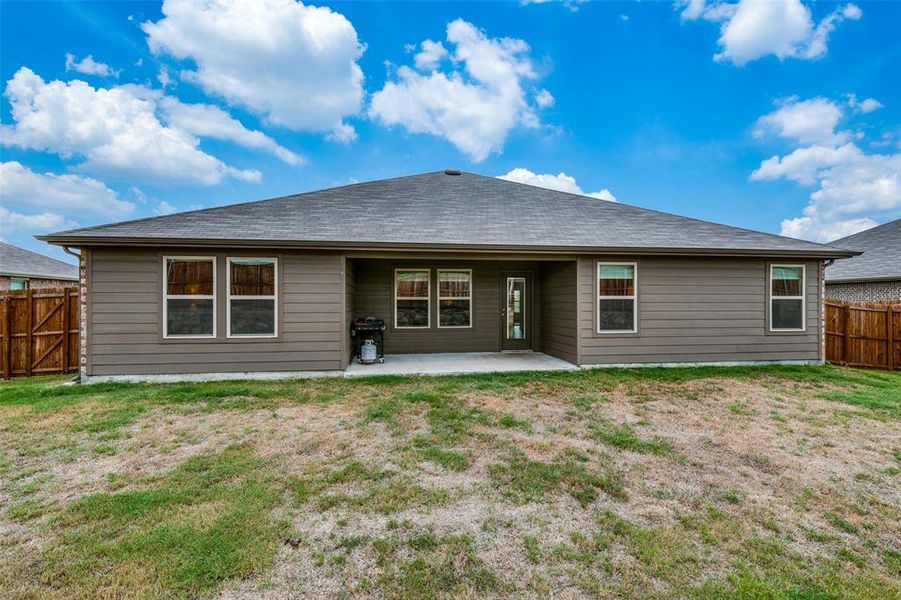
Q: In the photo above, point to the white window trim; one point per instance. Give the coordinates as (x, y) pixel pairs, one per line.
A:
(229, 297)
(598, 297)
(167, 297)
(428, 298)
(802, 297)
(24, 281)
(440, 298)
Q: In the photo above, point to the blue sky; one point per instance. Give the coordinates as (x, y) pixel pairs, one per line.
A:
(781, 116)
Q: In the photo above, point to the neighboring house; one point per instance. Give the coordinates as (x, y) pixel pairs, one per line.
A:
(873, 276)
(454, 263)
(21, 269)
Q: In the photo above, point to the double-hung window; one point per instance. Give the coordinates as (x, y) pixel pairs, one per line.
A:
(617, 286)
(189, 297)
(252, 300)
(454, 298)
(787, 297)
(411, 298)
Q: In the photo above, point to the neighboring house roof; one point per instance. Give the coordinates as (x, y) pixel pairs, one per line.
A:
(445, 211)
(881, 258)
(19, 262)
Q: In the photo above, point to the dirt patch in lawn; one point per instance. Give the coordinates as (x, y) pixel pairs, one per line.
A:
(736, 461)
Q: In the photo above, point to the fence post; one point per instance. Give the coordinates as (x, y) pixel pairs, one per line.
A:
(65, 293)
(846, 329)
(29, 332)
(7, 337)
(890, 327)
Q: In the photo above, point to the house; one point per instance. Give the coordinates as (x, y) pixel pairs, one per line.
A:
(873, 276)
(21, 269)
(454, 262)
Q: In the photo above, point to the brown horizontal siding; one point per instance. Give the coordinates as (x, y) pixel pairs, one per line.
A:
(559, 314)
(697, 310)
(126, 312)
(350, 282)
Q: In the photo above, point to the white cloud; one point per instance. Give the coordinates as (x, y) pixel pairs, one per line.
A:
(20, 187)
(430, 56)
(560, 182)
(853, 188)
(205, 120)
(164, 77)
(89, 66)
(572, 5)
(35, 223)
(164, 208)
(867, 105)
(811, 228)
(343, 134)
(544, 99)
(294, 64)
(36, 202)
(752, 29)
(804, 165)
(116, 130)
(808, 121)
(475, 104)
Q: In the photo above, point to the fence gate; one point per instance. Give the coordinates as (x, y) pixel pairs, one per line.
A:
(863, 335)
(39, 332)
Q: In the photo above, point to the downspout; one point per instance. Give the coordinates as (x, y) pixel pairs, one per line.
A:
(82, 312)
(826, 265)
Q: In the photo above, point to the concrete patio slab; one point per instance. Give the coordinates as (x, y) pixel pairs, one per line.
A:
(459, 363)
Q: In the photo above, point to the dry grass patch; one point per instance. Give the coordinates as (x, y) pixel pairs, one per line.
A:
(712, 483)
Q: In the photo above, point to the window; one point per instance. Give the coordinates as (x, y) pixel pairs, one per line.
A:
(189, 305)
(252, 285)
(787, 297)
(454, 298)
(617, 297)
(17, 283)
(411, 298)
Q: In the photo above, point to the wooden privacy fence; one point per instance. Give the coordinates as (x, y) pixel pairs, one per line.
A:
(863, 334)
(39, 332)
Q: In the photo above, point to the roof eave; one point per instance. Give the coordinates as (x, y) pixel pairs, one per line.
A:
(67, 240)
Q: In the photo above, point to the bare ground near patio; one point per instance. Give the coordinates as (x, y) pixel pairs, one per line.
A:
(743, 482)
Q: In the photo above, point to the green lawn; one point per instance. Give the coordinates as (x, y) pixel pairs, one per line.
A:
(769, 482)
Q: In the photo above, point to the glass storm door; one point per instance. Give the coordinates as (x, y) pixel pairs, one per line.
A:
(516, 326)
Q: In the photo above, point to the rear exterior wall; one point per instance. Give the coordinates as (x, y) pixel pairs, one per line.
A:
(699, 310)
(124, 322)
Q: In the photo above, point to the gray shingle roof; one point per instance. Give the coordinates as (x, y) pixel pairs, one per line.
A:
(881, 258)
(444, 211)
(19, 262)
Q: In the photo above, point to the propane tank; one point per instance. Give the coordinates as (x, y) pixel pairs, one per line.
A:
(368, 352)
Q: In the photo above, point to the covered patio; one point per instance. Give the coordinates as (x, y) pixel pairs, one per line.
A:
(460, 362)
(479, 308)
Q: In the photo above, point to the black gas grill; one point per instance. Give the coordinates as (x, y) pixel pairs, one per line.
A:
(368, 328)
